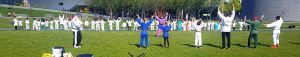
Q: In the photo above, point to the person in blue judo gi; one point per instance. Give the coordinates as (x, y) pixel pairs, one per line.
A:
(144, 30)
(166, 28)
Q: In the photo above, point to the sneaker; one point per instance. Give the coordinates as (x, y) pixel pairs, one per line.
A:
(76, 47)
(277, 45)
(273, 46)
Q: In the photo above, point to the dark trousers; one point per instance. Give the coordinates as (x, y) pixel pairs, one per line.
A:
(166, 41)
(224, 36)
(77, 38)
(254, 37)
(16, 27)
(233, 28)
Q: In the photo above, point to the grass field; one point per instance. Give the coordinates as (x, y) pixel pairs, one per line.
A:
(124, 43)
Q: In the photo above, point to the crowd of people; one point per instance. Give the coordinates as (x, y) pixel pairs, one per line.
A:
(225, 24)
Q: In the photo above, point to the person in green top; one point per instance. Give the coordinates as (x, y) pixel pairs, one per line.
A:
(255, 23)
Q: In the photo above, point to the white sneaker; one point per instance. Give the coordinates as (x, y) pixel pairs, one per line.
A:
(77, 46)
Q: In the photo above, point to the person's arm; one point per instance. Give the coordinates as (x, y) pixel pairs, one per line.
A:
(166, 17)
(220, 14)
(249, 22)
(232, 13)
(272, 24)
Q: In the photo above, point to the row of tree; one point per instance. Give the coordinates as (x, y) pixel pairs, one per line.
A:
(128, 8)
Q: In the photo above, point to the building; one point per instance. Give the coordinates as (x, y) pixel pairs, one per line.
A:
(288, 9)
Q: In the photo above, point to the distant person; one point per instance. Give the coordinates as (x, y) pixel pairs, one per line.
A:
(27, 24)
(16, 23)
(226, 27)
(276, 30)
(20, 24)
(117, 21)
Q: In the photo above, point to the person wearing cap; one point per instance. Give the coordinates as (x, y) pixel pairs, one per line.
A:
(276, 30)
(255, 23)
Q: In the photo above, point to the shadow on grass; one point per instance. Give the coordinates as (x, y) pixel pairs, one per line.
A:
(239, 45)
(141, 55)
(294, 43)
(130, 54)
(159, 45)
(212, 45)
(266, 45)
(189, 45)
(137, 45)
(85, 55)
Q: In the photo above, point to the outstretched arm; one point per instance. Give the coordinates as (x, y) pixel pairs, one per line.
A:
(166, 17)
(232, 13)
(220, 14)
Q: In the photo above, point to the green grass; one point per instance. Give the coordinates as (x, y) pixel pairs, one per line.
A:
(119, 44)
(35, 13)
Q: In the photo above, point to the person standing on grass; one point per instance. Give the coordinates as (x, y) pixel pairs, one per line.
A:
(166, 28)
(161, 21)
(56, 24)
(20, 24)
(226, 22)
(255, 23)
(27, 24)
(15, 20)
(198, 37)
(144, 30)
(110, 23)
(51, 24)
(117, 21)
(276, 30)
(102, 24)
(76, 28)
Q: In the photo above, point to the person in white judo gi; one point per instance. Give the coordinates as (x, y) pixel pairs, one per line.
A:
(276, 30)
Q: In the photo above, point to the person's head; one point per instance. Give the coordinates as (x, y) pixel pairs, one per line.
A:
(255, 18)
(145, 19)
(278, 17)
(199, 22)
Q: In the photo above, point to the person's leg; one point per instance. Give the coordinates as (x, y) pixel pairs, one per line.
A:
(75, 39)
(16, 27)
(249, 40)
(168, 42)
(165, 40)
(147, 42)
(196, 40)
(277, 40)
(255, 40)
(142, 41)
(158, 32)
(200, 40)
(228, 39)
(223, 39)
(274, 40)
(79, 38)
